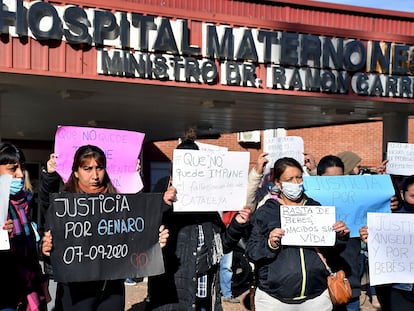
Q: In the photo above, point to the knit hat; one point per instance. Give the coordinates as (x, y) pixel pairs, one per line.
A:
(350, 160)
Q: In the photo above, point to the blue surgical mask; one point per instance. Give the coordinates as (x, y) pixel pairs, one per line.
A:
(292, 191)
(16, 185)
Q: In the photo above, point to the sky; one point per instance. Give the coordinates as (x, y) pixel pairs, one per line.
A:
(397, 5)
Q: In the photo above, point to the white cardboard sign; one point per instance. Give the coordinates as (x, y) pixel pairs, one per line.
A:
(390, 248)
(308, 225)
(400, 158)
(210, 180)
(279, 147)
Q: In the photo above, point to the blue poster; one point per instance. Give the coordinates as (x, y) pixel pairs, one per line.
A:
(352, 195)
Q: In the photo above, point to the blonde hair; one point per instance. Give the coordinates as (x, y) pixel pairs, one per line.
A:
(27, 183)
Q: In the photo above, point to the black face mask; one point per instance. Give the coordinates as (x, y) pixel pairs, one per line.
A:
(408, 207)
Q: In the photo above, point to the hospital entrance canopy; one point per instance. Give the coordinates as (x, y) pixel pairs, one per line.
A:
(222, 66)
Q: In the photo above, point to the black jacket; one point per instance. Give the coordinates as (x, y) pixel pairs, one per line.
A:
(280, 272)
(49, 183)
(350, 254)
(175, 290)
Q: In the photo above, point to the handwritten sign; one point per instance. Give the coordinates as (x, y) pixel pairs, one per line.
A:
(400, 158)
(308, 225)
(279, 147)
(391, 248)
(353, 196)
(210, 181)
(121, 148)
(92, 234)
(5, 180)
(210, 147)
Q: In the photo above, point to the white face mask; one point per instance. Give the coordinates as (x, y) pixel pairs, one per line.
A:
(292, 191)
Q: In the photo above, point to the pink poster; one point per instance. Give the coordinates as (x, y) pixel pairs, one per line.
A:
(122, 149)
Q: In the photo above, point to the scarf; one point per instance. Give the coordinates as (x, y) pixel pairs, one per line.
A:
(21, 238)
(23, 247)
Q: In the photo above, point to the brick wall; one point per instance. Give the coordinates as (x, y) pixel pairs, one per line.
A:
(365, 139)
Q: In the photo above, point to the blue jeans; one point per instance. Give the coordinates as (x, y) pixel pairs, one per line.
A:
(226, 274)
(353, 305)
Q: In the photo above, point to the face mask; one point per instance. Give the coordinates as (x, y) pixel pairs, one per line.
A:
(272, 187)
(292, 191)
(16, 185)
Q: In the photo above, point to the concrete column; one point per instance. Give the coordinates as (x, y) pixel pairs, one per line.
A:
(394, 129)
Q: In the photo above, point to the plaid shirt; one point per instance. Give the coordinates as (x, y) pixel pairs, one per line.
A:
(202, 280)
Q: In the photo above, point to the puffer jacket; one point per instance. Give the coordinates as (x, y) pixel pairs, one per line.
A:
(291, 274)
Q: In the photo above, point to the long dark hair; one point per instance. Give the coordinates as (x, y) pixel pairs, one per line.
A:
(10, 154)
(82, 155)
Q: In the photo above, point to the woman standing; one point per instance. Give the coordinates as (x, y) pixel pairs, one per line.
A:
(288, 277)
(21, 271)
(397, 297)
(89, 175)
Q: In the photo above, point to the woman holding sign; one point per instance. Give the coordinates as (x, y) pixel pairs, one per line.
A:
(196, 243)
(24, 283)
(288, 277)
(89, 176)
(397, 297)
(349, 250)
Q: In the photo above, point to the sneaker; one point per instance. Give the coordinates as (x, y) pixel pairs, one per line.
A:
(130, 282)
(231, 299)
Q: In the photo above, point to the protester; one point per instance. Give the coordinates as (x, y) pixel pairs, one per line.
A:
(24, 283)
(397, 297)
(260, 186)
(288, 277)
(330, 165)
(191, 258)
(89, 175)
(350, 250)
(235, 236)
(226, 263)
(352, 166)
(196, 244)
(352, 162)
(310, 165)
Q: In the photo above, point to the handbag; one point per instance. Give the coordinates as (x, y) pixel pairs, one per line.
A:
(338, 285)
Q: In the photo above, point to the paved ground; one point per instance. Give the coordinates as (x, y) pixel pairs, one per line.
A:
(135, 300)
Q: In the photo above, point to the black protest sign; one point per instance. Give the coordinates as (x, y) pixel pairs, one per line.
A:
(105, 236)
